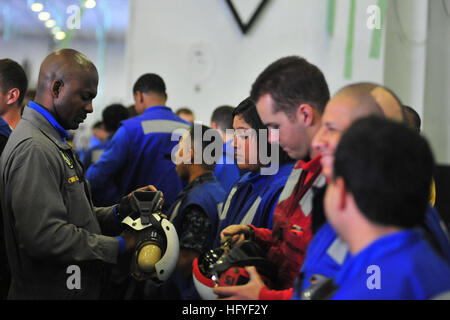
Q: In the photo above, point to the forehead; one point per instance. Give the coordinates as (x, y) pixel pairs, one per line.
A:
(266, 111)
(339, 110)
(240, 123)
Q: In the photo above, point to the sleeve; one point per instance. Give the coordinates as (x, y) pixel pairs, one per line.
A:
(195, 229)
(262, 237)
(114, 157)
(33, 185)
(109, 222)
(266, 294)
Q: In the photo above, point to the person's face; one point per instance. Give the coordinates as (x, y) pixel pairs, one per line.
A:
(335, 120)
(73, 99)
(245, 145)
(183, 156)
(100, 133)
(288, 131)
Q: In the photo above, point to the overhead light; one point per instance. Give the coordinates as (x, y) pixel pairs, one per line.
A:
(44, 16)
(55, 30)
(50, 23)
(90, 4)
(37, 7)
(61, 35)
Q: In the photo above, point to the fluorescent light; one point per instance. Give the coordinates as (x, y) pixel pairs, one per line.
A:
(44, 16)
(37, 7)
(90, 4)
(50, 23)
(61, 35)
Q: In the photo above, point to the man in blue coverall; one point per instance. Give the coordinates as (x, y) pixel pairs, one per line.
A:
(195, 211)
(378, 216)
(138, 152)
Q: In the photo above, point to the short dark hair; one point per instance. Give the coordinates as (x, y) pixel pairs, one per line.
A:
(150, 82)
(247, 109)
(292, 81)
(223, 116)
(112, 116)
(184, 110)
(388, 168)
(198, 143)
(13, 76)
(413, 118)
(98, 125)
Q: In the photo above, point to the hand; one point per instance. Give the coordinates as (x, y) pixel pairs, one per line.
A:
(130, 240)
(237, 232)
(124, 209)
(248, 291)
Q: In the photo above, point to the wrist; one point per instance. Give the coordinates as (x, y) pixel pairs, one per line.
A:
(122, 247)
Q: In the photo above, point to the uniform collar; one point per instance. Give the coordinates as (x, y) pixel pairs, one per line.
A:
(206, 177)
(312, 165)
(157, 108)
(61, 131)
(40, 122)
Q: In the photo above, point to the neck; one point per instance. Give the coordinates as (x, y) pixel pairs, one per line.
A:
(363, 236)
(12, 116)
(151, 101)
(196, 171)
(226, 136)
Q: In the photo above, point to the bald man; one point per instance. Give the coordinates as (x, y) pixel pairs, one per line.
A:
(54, 241)
(327, 252)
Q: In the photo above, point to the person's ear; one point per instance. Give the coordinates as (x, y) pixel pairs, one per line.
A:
(139, 97)
(305, 113)
(12, 96)
(56, 87)
(214, 125)
(192, 154)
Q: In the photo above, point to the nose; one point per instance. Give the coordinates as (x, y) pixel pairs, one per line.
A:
(318, 143)
(89, 108)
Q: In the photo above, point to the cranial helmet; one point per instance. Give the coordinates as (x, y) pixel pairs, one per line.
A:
(157, 247)
(226, 267)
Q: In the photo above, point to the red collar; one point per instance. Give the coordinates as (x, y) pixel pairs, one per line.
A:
(312, 165)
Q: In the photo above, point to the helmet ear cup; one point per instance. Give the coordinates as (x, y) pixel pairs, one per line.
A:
(234, 277)
(148, 256)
